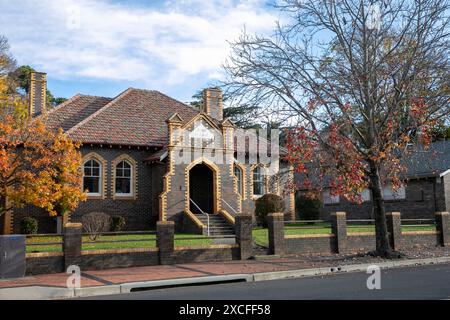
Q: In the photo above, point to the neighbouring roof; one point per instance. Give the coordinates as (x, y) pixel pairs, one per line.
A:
(420, 163)
(135, 117)
(429, 162)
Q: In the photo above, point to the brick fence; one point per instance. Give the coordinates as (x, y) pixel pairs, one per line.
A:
(165, 252)
(340, 241)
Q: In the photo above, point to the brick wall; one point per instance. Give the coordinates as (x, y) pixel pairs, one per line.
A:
(423, 198)
(140, 214)
(310, 244)
(213, 253)
(340, 241)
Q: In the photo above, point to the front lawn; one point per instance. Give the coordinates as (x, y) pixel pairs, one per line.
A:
(149, 242)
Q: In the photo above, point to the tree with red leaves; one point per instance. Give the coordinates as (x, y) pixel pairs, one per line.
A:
(364, 81)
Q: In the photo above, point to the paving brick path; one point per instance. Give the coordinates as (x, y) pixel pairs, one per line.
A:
(125, 275)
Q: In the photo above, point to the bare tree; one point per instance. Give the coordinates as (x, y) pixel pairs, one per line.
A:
(95, 223)
(364, 78)
(7, 62)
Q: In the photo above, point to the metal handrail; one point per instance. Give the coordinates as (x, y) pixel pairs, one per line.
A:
(207, 215)
(229, 206)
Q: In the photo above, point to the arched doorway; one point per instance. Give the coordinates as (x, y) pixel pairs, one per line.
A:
(201, 189)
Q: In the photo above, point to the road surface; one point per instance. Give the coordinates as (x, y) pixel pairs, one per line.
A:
(424, 282)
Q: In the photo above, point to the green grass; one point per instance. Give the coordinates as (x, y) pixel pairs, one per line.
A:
(260, 235)
(151, 243)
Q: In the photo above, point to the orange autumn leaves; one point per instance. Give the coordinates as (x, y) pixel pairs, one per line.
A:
(37, 166)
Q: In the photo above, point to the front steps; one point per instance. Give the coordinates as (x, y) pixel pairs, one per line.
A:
(218, 225)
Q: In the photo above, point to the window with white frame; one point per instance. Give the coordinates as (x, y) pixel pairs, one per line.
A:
(328, 198)
(238, 174)
(258, 182)
(92, 177)
(124, 179)
(390, 194)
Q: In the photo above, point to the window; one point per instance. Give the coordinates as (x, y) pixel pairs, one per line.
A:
(123, 178)
(365, 195)
(238, 174)
(258, 182)
(92, 177)
(328, 198)
(390, 194)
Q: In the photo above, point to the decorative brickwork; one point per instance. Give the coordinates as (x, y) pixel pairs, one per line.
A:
(104, 171)
(134, 177)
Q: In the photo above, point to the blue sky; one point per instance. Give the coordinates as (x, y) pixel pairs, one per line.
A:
(102, 47)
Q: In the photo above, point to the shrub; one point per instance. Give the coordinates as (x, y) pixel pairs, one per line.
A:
(117, 223)
(95, 223)
(268, 203)
(308, 207)
(29, 225)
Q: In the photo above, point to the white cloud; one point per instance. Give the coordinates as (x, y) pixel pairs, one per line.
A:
(105, 40)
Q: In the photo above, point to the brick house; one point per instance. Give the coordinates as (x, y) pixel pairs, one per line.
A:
(130, 144)
(426, 188)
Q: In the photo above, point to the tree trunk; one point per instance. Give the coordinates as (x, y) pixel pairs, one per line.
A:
(383, 247)
(5, 216)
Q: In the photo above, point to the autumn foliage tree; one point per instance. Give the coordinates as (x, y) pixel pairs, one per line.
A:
(38, 167)
(366, 81)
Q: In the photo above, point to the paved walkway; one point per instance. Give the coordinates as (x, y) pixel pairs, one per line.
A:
(125, 275)
(139, 274)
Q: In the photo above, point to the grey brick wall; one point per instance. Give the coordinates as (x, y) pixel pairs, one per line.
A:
(140, 214)
(423, 198)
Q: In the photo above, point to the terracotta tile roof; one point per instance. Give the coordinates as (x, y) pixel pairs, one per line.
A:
(74, 110)
(135, 117)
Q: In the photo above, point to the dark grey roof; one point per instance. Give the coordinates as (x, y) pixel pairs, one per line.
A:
(420, 163)
(431, 162)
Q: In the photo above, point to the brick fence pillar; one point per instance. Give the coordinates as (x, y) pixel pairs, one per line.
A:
(72, 243)
(443, 228)
(277, 244)
(165, 234)
(243, 229)
(394, 228)
(339, 229)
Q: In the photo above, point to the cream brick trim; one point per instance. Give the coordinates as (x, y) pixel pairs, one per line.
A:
(103, 178)
(134, 178)
(243, 196)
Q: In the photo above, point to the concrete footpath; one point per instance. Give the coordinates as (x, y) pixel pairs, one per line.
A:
(116, 281)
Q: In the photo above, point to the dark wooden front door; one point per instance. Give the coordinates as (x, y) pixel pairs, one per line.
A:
(201, 188)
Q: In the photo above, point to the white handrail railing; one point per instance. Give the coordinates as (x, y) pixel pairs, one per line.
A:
(207, 215)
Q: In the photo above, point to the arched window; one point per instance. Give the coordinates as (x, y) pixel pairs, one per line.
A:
(239, 175)
(258, 182)
(92, 177)
(123, 178)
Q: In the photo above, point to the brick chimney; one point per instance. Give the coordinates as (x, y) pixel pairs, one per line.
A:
(37, 93)
(212, 103)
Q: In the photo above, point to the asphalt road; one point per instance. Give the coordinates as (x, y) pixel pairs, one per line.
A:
(425, 282)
